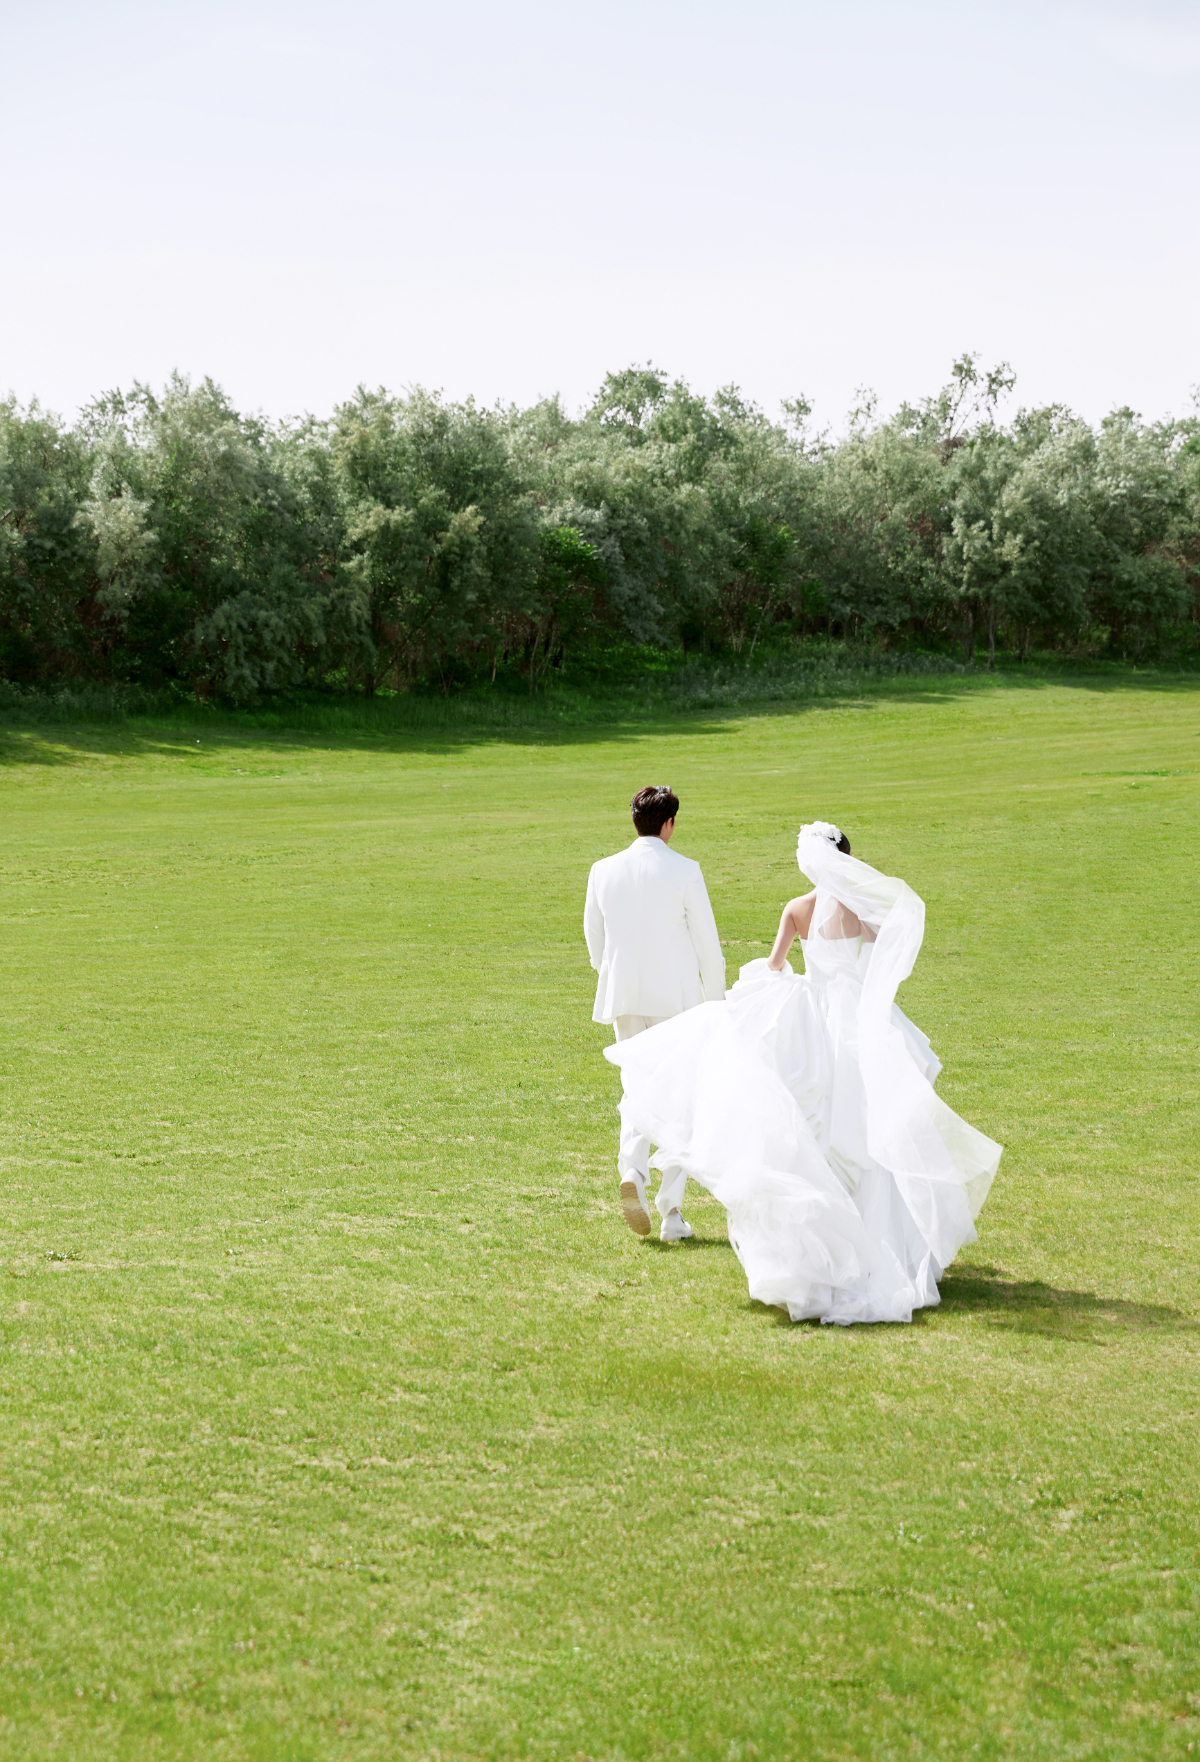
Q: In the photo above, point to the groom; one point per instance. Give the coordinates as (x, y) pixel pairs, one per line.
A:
(653, 940)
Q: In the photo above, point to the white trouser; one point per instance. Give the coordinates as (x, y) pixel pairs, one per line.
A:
(634, 1154)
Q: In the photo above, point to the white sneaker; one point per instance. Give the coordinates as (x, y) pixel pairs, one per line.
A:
(633, 1204)
(674, 1229)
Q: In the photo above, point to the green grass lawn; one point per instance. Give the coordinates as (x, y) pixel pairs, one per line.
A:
(343, 1417)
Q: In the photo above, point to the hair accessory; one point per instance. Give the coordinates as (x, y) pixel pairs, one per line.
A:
(822, 829)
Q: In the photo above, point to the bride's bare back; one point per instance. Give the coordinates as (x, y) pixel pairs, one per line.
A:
(839, 926)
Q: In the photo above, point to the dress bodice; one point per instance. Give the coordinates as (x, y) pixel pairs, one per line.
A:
(836, 957)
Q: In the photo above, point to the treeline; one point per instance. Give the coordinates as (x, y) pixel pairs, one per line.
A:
(171, 539)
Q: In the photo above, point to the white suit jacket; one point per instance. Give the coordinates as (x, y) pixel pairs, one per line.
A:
(651, 933)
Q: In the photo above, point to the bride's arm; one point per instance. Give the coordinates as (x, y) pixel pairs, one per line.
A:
(797, 916)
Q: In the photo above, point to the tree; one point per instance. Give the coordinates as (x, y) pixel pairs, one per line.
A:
(200, 544)
(45, 575)
(169, 539)
(441, 544)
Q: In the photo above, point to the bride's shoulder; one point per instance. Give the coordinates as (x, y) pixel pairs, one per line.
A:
(800, 910)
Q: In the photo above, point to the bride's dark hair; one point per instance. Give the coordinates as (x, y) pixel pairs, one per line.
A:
(843, 845)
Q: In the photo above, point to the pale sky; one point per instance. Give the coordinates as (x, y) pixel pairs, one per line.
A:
(510, 199)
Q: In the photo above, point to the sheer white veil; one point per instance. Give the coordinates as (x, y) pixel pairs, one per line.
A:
(910, 1130)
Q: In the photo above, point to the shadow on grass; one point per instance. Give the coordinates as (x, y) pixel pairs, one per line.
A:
(1027, 1306)
(690, 1244)
(436, 726)
(1031, 1306)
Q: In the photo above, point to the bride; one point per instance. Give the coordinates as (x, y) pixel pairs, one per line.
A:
(806, 1106)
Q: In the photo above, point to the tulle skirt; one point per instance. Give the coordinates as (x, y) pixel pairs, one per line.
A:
(760, 1099)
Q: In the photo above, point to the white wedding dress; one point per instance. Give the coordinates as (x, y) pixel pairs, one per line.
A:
(806, 1106)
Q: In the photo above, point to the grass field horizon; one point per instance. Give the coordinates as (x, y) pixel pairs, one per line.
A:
(344, 1416)
(633, 690)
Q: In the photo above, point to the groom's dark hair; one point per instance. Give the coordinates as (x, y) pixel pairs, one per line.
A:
(652, 807)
